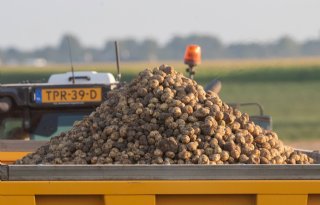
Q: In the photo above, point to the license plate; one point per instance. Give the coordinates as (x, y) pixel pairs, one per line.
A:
(68, 95)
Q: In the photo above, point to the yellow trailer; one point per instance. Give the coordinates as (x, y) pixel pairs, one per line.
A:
(12, 150)
(153, 184)
(159, 185)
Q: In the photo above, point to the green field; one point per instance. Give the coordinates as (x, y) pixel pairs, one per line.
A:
(288, 89)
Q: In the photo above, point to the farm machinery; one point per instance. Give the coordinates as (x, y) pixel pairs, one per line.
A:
(131, 184)
(33, 113)
(40, 111)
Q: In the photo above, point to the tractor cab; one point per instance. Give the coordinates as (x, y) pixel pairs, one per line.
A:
(31, 114)
(41, 111)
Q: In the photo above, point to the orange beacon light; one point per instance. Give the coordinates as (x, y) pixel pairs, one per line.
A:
(192, 58)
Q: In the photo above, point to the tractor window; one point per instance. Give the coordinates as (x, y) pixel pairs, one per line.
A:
(43, 125)
(52, 124)
(11, 128)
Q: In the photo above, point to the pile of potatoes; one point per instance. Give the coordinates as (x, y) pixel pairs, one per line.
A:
(162, 117)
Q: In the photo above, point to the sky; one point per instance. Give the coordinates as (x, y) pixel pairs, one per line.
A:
(36, 23)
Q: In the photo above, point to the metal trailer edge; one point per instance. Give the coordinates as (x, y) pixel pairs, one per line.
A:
(159, 184)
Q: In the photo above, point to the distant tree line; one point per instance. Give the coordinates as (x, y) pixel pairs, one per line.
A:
(150, 49)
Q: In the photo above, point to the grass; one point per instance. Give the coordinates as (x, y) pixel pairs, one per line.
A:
(288, 89)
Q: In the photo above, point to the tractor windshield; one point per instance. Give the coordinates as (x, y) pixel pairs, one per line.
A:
(40, 125)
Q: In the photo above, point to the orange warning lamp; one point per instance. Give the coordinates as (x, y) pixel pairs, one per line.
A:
(192, 56)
